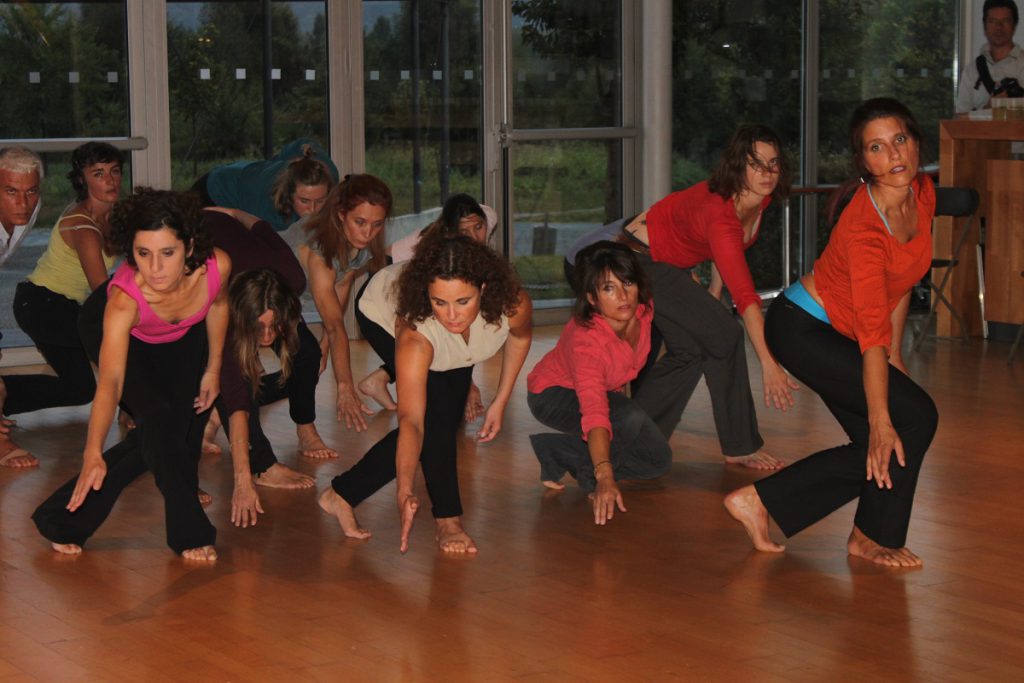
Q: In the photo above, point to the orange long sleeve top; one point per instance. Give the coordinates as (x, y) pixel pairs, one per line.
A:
(865, 271)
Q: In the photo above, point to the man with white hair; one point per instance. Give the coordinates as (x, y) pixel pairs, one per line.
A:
(21, 171)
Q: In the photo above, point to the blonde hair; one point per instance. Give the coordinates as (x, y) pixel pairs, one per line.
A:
(21, 160)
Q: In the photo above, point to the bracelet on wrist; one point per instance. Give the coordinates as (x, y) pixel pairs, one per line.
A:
(603, 462)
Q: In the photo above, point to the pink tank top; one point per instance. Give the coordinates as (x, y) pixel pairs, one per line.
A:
(151, 328)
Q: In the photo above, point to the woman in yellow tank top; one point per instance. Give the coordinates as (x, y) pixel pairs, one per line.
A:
(76, 261)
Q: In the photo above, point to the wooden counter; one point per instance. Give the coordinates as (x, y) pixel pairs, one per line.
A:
(977, 154)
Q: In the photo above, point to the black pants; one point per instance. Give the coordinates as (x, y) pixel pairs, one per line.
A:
(299, 389)
(638, 450)
(161, 381)
(51, 321)
(377, 336)
(446, 403)
(832, 366)
(701, 338)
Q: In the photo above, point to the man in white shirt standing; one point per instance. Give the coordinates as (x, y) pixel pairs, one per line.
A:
(21, 171)
(1001, 60)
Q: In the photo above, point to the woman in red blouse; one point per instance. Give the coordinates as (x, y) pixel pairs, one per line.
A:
(839, 331)
(577, 388)
(716, 220)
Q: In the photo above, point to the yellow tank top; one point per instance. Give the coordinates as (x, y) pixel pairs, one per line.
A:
(59, 269)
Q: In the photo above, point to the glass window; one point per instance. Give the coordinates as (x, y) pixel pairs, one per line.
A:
(566, 64)
(566, 73)
(423, 82)
(64, 75)
(563, 189)
(215, 55)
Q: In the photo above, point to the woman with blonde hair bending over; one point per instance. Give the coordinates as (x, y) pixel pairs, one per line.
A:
(456, 303)
(839, 330)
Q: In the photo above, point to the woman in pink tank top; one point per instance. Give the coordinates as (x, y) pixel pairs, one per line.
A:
(143, 329)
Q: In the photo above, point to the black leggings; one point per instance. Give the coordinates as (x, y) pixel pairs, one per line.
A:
(446, 403)
(300, 390)
(51, 321)
(832, 365)
(377, 336)
(160, 383)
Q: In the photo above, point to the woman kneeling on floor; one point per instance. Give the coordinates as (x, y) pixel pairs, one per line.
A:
(578, 388)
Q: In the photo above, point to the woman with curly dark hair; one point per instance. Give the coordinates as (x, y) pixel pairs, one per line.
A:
(76, 261)
(157, 332)
(578, 387)
(456, 303)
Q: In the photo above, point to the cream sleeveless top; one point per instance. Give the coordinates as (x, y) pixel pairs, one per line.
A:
(451, 351)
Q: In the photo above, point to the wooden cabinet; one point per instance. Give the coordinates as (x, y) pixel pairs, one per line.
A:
(977, 154)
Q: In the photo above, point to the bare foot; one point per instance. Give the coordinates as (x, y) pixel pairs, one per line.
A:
(861, 546)
(204, 554)
(761, 460)
(375, 385)
(746, 508)
(14, 456)
(67, 548)
(204, 498)
(279, 476)
(333, 504)
(311, 445)
(210, 447)
(452, 538)
(553, 485)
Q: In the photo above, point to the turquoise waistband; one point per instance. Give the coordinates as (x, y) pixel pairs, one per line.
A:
(802, 298)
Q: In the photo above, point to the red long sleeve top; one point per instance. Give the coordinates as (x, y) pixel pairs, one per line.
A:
(593, 360)
(865, 271)
(693, 225)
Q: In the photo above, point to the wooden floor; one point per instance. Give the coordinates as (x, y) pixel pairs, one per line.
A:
(668, 591)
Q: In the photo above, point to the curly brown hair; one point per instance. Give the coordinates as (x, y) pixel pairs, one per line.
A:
(325, 228)
(456, 257)
(148, 209)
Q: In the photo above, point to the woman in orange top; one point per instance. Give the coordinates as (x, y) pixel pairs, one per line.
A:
(839, 331)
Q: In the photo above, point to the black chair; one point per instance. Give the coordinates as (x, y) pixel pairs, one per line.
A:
(1016, 342)
(958, 202)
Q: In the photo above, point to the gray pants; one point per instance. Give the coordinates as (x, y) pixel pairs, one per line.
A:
(701, 338)
(638, 450)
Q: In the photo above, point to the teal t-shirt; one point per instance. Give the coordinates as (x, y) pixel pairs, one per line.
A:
(247, 185)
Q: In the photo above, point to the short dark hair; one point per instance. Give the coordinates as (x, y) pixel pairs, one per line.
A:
(85, 156)
(594, 261)
(994, 4)
(148, 209)
(730, 175)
